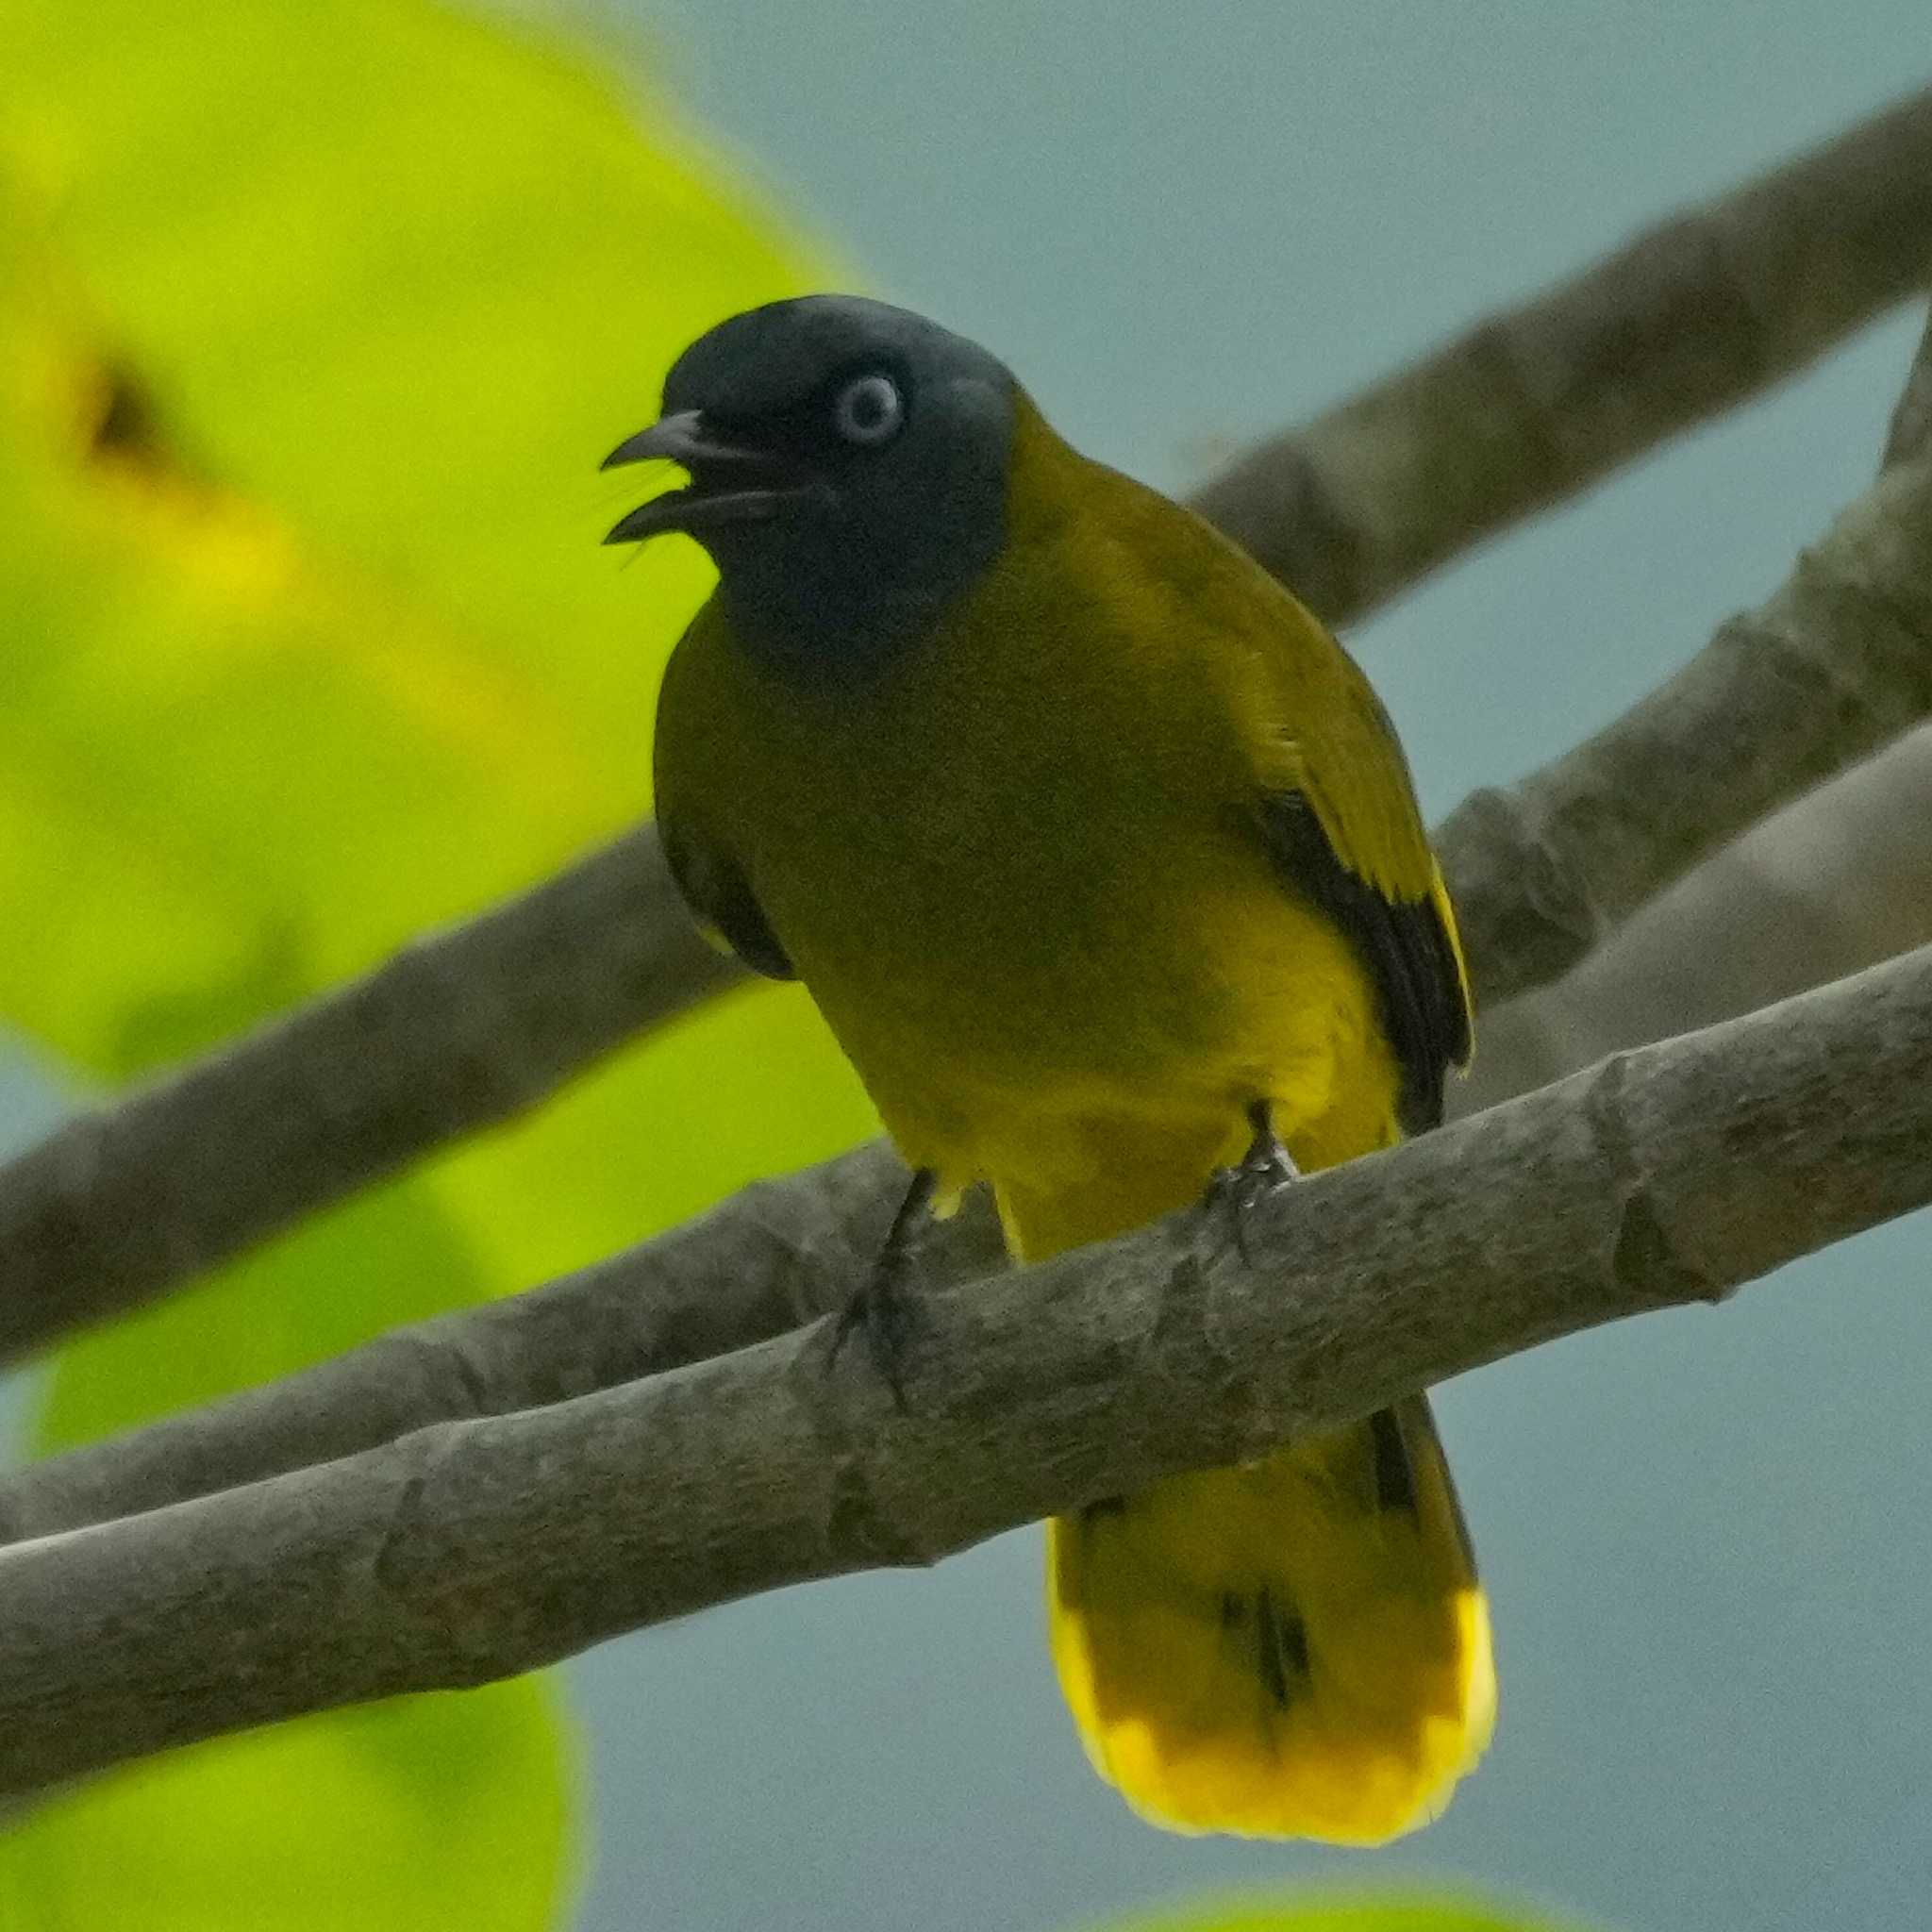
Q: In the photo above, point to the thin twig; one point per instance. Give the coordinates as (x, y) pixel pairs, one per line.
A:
(1829, 884)
(471, 1550)
(770, 1258)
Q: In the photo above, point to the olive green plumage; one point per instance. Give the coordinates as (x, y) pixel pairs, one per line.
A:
(1089, 840)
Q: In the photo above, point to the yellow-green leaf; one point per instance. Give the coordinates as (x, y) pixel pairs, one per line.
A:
(427, 1811)
(316, 319)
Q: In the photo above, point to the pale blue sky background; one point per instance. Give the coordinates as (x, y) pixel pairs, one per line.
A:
(1703, 1534)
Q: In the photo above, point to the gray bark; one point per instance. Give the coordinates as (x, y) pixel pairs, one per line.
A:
(460, 1500)
(770, 1258)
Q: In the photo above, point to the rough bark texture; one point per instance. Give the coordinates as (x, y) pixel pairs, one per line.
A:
(770, 1258)
(466, 1028)
(1824, 886)
(473, 1549)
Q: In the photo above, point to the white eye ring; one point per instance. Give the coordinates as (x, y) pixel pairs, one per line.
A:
(869, 410)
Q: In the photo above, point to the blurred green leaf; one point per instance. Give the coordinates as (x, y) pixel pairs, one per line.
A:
(315, 320)
(425, 1812)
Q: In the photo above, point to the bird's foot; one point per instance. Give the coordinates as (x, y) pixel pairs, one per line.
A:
(1236, 1191)
(886, 1314)
(885, 1309)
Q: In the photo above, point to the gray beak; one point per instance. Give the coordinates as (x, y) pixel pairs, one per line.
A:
(732, 482)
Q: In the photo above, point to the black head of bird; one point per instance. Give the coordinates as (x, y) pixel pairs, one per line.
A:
(848, 466)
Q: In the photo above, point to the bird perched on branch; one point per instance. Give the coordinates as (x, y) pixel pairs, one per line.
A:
(1102, 861)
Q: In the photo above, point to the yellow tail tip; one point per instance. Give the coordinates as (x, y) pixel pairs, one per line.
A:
(1296, 1647)
(1342, 1780)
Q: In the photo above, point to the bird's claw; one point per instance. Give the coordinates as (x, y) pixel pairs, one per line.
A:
(888, 1314)
(885, 1308)
(1236, 1191)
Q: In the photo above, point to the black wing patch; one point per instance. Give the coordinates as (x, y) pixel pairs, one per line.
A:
(1402, 942)
(716, 891)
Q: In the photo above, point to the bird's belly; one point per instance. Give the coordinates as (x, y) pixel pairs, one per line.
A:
(1095, 1044)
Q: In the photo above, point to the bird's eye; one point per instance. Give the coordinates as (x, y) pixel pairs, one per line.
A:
(869, 411)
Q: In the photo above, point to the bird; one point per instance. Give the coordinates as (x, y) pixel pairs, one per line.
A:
(1102, 863)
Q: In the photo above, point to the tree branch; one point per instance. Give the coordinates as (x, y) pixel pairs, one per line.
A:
(771, 1258)
(1696, 956)
(1835, 664)
(1767, 707)
(1535, 404)
(461, 1031)
(1830, 885)
(471, 1550)
(1835, 883)
(466, 1028)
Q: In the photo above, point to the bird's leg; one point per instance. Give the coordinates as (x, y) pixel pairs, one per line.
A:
(883, 1307)
(1238, 1190)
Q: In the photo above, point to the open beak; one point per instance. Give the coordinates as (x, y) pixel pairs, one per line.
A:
(730, 482)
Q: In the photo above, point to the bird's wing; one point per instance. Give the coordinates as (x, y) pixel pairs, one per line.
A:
(1336, 810)
(688, 775)
(722, 903)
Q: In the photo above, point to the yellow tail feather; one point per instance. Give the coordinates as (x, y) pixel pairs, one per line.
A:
(1297, 1648)
(1294, 1648)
